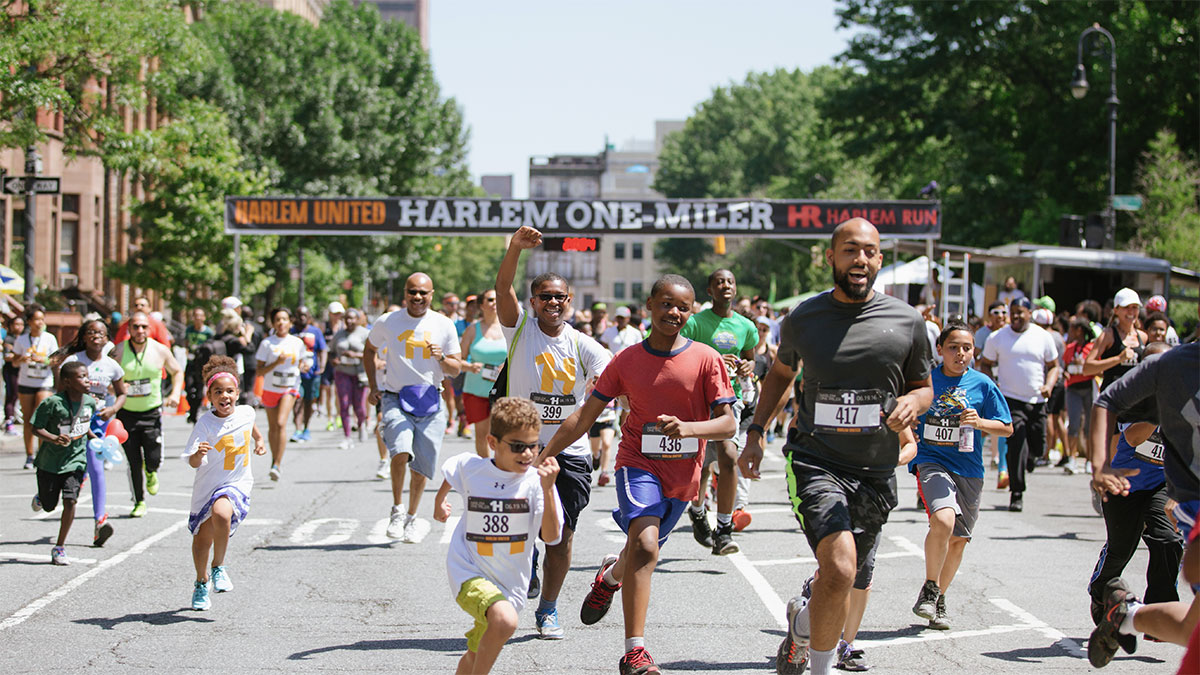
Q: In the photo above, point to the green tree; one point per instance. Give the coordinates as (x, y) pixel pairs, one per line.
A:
(974, 95)
(1168, 225)
(188, 167)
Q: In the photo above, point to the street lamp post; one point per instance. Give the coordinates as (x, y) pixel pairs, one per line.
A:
(1079, 89)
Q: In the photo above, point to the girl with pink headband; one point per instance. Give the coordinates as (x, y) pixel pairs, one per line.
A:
(219, 449)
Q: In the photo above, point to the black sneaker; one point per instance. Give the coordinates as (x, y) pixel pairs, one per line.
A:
(926, 606)
(940, 620)
(701, 530)
(850, 658)
(600, 598)
(1016, 503)
(535, 586)
(723, 543)
(792, 656)
(1106, 638)
(637, 661)
(1097, 611)
(104, 530)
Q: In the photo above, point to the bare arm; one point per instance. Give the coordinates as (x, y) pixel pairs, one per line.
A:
(1139, 432)
(369, 368)
(572, 428)
(441, 507)
(507, 305)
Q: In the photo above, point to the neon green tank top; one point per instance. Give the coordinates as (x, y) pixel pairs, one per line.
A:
(143, 379)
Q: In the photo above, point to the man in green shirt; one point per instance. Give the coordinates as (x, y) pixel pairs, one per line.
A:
(63, 424)
(734, 337)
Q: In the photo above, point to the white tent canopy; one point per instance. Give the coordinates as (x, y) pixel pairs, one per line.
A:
(895, 278)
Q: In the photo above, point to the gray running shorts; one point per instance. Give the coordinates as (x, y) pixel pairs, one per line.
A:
(942, 489)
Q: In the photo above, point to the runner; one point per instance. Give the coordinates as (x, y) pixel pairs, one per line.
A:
(423, 352)
(679, 397)
(198, 332)
(143, 360)
(1119, 348)
(328, 402)
(35, 381)
(949, 463)
(310, 375)
(489, 557)
(107, 386)
(14, 327)
(452, 388)
(1079, 390)
(866, 377)
(484, 348)
(279, 359)
(1173, 379)
(621, 333)
(158, 329)
(735, 338)
(346, 349)
(219, 449)
(552, 364)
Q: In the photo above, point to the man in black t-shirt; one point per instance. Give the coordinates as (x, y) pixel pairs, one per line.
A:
(866, 360)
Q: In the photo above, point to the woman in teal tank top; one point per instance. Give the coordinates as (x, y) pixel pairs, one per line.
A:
(485, 349)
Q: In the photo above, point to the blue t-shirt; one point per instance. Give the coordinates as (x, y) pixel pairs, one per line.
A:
(317, 346)
(1147, 458)
(951, 396)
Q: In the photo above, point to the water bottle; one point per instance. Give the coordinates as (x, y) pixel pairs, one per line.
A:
(966, 438)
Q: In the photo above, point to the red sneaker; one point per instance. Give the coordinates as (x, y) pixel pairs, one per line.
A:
(741, 519)
(637, 661)
(600, 598)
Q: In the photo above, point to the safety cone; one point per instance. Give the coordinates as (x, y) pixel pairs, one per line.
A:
(183, 407)
(258, 386)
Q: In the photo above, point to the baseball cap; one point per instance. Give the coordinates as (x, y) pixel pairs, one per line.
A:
(1126, 297)
(336, 307)
(622, 311)
(600, 305)
(230, 303)
(1156, 303)
(1046, 302)
(1042, 316)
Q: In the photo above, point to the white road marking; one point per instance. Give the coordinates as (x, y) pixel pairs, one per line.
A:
(775, 605)
(343, 529)
(1070, 646)
(29, 557)
(798, 560)
(378, 534)
(30, 609)
(907, 545)
(268, 522)
(448, 532)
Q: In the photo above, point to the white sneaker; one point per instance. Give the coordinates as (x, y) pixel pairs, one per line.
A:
(397, 528)
(410, 530)
(362, 432)
(275, 473)
(345, 444)
(385, 469)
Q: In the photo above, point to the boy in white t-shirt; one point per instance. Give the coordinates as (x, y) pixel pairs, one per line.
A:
(509, 501)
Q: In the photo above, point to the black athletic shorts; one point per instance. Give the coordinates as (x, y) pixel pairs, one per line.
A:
(51, 485)
(1058, 399)
(827, 501)
(594, 431)
(574, 485)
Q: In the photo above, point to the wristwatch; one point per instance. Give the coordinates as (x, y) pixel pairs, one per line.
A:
(756, 427)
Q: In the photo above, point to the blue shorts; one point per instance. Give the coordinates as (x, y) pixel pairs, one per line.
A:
(418, 437)
(1186, 514)
(639, 493)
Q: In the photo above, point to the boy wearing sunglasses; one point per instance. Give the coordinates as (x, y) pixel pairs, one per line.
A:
(509, 500)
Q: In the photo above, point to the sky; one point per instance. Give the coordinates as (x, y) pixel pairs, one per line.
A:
(547, 77)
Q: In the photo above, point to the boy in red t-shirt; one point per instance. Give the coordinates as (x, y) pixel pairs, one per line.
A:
(679, 396)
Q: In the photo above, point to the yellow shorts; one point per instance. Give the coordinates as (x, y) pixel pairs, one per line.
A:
(476, 596)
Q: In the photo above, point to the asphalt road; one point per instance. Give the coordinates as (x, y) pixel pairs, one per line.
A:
(319, 587)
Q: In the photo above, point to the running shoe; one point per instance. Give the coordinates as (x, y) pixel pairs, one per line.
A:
(276, 473)
(410, 531)
(1097, 611)
(362, 432)
(1002, 480)
(701, 530)
(28, 462)
(637, 661)
(200, 600)
(104, 530)
(741, 519)
(600, 598)
(1107, 637)
(547, 625)
(535, 585)
(603, 479)
(152, 482)
(792, 657)
(108, 465)
(58, 556)
(297, 436)
(395, 528)
(770, 437)
(1016, 503)
(940, 620)
(221, 582)
(306, 435)
(345, 444)
(331, 426)
(1097, 503)
(850, 659)
(36, 503)
(384, 469)
(926, 606)
(139, 510)
(723, 543)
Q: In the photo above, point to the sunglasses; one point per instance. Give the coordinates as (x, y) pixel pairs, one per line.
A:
(489, 300)
(999, 312)
(549, 297)
(519, 448)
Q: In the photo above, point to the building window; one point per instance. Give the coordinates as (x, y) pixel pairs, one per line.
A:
(70, 204)
(564, 188)
(635, 292)
(619, 251)
(66, 249)
(619, 290)
(637, 251)
(539, 190)
(588, 267)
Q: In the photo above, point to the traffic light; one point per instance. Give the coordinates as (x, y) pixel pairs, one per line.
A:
(719, 245)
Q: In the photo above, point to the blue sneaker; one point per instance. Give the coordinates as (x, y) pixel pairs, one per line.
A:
(297, 436)
(547, 625)
(220, 579)
(200, 601)
(305, 435)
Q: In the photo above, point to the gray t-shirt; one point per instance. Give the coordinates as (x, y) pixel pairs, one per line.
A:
(856, 357)
(342, 342)
(1173, 379)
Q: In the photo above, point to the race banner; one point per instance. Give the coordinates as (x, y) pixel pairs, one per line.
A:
(573, 218)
